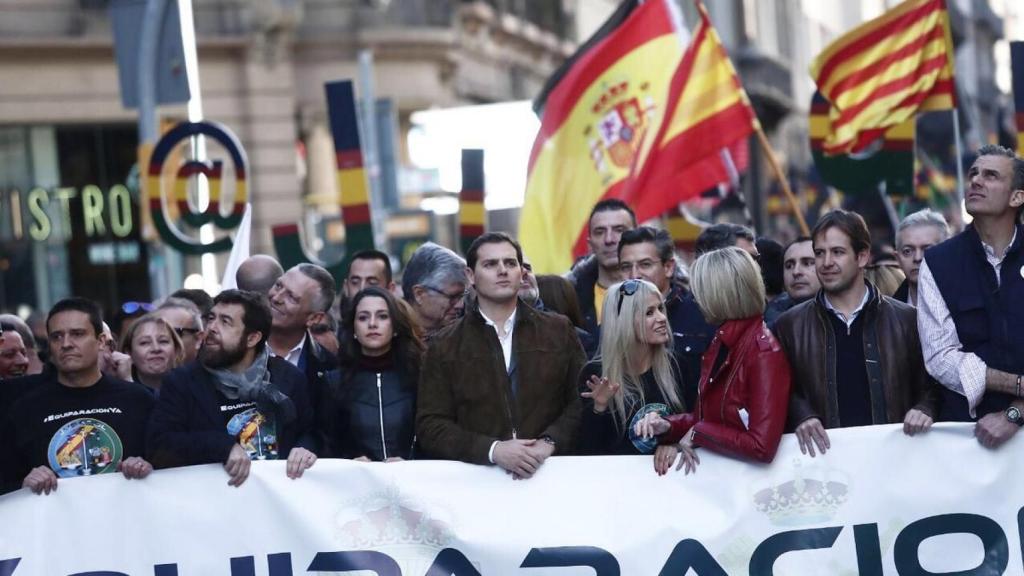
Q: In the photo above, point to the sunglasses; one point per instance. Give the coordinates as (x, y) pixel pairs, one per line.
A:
(319, 329)
(627, 288)
(134, 307)
(181, 332)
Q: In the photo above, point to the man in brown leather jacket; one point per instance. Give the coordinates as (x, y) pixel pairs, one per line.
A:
(499, 385)
(855, 354)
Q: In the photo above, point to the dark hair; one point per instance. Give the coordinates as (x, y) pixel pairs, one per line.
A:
(559, 296)
(323, 301)
(1018, 167)
(611, 205)
(660, 238)
(798, 240)
(78, 304)
(373, 255)
(849, 223)
(491, 238)
(721, 235)
(255, 311)
(200, 298)
(407, 346)
(771, 261)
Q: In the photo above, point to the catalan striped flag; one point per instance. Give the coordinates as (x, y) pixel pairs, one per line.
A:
(707, 115)
(884, 72)
(596, 108)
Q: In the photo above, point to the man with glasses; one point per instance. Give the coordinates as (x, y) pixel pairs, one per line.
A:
(186, 319)
(499, 385)
(434, 284)
(915, 234)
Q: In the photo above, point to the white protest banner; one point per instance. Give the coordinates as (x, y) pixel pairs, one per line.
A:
(877, 503)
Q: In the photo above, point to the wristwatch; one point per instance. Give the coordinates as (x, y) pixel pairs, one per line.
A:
(1013, 415)
(547, 438)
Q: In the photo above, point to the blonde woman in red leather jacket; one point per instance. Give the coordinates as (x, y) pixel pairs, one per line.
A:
(745, 377)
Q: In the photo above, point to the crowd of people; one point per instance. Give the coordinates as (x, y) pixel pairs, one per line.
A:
(479, 360)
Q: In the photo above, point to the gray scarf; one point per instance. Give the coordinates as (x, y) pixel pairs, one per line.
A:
(254, 385)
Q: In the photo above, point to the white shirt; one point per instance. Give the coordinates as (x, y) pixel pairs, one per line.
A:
(853, 315)
(961, 372)
(506, 351)
(293, 355)
(505, 341)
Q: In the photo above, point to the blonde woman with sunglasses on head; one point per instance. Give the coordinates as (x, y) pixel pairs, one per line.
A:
(745, 377)
(633, 375)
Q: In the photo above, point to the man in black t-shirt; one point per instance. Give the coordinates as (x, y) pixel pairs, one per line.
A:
(236, 403)
(74, 421)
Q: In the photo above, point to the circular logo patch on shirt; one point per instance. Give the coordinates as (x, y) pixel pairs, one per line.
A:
(646, 445)
(84, 447)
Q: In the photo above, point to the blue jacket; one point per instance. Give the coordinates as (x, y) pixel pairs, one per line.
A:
(187, 428)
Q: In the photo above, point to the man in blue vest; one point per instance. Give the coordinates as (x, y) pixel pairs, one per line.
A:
(970, 290)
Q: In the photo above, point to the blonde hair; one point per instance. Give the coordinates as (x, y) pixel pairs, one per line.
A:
(620, 338)
(727, 285)
(886, 277)
(152, 318)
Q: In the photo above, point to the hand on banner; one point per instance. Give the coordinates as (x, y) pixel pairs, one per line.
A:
(237, 465)
(517, 458)
(41, 480)
(362, 459)
(664, 457)
(651, 425)
(134, 467)
(395, 459)
(916, 422)
(689, 459)
(601, 392)
(811, 433)
(299, 460)
(993, 430)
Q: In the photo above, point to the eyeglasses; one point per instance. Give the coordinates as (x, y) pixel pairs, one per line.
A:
(134, 307)
(182, 331)
(453, 299)
(627, 288)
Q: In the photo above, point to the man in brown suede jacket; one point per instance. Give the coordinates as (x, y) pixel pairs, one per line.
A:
(499, 385)
(855, 353)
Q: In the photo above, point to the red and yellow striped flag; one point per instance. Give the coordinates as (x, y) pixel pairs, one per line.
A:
(595, 110)
(884, 72)
(707, 114)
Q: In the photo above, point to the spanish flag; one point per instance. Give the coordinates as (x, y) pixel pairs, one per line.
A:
(595, 110)
(884, 72)
(707, 118)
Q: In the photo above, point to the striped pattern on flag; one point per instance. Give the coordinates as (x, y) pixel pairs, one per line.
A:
(884, 72)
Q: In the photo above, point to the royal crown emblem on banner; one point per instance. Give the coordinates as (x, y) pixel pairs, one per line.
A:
(619, 115)
(811, 496)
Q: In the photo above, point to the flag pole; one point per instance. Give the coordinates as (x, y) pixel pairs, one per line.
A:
(783, 181)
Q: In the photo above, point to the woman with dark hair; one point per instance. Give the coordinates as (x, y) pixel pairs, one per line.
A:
(559, 296)
(369, 411)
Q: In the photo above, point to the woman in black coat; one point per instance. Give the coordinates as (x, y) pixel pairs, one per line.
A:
(370, 411)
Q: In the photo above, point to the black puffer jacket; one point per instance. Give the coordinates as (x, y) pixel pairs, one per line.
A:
(369, 412)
